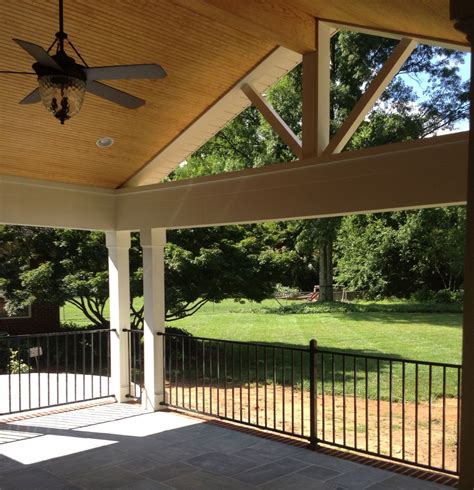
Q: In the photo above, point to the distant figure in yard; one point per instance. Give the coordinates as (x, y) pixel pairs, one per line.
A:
(314, 296)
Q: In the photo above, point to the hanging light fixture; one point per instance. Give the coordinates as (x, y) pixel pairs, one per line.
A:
(62, 95)
(63, 82)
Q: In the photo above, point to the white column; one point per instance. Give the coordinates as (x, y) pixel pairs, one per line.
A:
(118, 244)
(153, 242)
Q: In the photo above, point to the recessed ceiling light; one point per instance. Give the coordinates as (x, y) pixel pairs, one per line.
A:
(105, 142)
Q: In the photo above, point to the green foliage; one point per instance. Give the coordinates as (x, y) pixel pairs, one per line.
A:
(398, 254)
(443, 305)
(16, 364)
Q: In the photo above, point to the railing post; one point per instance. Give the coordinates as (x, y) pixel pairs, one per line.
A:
(313, 395)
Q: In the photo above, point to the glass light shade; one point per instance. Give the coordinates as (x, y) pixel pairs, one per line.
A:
(62, 95)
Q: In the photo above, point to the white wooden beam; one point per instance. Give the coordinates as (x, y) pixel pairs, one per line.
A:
(390, 68)
(372, 31)
(40, 203)
(274, 119)
(422, 173)
(316, 93)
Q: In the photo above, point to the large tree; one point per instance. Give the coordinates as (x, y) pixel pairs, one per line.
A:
(398, 254)
(403, 112)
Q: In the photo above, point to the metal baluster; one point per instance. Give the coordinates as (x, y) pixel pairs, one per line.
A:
(333, 383)
(443, 449)
(416, 413)
(355, 402)
(265, 385)
(430, 382)
(366, 404)
(343, 399)
(391, 408)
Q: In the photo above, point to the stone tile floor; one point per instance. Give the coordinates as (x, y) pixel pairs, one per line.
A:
(120, 446)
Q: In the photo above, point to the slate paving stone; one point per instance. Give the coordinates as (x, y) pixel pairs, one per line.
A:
(231, 442)
(34, 478)
(7, 465)
(138, 465)
(331, 462)
(361, 478)
(145, 484)
(295, 481)
(111, 477)
(220, 463)
(399, 482)
(175, 453)
(265, 473)
(202, 480)
(189, 456)
(169, 471)
(76, 465)
(319, 473)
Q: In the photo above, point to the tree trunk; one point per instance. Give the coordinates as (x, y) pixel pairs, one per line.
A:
(325, 271)
(329, 272)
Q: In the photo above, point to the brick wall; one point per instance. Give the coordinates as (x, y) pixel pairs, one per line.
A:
(44, 318)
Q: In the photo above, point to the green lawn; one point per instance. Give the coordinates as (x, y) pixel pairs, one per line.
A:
(432, 337)
(421, 336)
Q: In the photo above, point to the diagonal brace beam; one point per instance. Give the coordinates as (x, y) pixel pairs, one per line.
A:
(274, 119)
(373, 92)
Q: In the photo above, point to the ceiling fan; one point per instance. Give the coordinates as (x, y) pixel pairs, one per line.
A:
(63, 82)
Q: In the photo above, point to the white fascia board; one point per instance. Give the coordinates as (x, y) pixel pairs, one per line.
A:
(279, 62)
(425, 173)
(397, 35)
(32, 202)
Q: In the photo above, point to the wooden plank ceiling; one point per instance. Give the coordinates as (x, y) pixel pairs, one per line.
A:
(206, 47)
(203, 60)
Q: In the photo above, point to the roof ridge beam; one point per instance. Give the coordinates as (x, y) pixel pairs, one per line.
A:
(277, 20)
(274, 119)
(375, 89)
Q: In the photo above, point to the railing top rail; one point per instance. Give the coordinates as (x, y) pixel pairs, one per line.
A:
(253, 344)
(52, 334)
(320, 350)
(132, 330)
(388, 359)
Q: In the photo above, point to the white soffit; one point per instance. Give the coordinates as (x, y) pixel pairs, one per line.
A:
(264, 75)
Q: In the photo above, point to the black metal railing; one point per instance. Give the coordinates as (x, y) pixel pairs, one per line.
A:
(49, 369)
(135, 363)
(403, 410)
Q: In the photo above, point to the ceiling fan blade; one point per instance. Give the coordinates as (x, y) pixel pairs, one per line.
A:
(122, 72)
(9, 72)
(39, 54)
(32, 98)
(114, 95)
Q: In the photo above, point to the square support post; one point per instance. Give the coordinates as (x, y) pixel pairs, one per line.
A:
(118, 245)
(153, 242)
(316, 93)
(462, 12)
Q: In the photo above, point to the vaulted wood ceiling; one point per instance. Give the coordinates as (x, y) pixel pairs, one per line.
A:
(206, 47)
